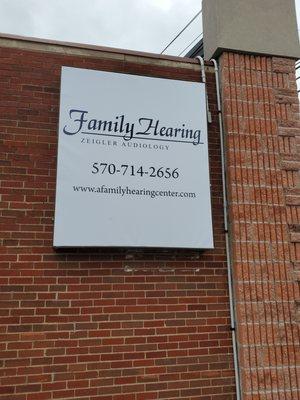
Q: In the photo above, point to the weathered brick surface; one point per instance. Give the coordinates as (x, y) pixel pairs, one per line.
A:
(109, 324)
(262, 126)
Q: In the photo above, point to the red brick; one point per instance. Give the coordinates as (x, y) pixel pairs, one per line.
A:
(28, 388)
(258, 163)
(78, 308)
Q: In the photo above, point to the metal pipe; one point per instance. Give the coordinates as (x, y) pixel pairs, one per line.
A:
(202, 65)
(201, 61)
(228, 253)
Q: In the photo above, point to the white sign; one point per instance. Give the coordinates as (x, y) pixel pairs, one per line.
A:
(132, 162)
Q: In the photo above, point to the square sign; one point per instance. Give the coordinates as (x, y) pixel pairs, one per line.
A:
(132, 165)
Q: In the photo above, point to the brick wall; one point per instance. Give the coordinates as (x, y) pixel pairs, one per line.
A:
(109, 324)
(261, 112)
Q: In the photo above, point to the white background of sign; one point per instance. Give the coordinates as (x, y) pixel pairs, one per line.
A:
(84, 218)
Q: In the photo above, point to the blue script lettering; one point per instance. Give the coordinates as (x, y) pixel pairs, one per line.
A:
(79, 120)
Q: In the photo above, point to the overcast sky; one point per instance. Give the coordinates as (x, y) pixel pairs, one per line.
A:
(145, 25)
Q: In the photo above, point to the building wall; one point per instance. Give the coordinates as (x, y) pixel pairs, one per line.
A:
(107, 324)
(261, 114)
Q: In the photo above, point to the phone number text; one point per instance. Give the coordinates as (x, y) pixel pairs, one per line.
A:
(133, 170)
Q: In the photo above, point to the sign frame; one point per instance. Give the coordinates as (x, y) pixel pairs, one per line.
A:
(142, 129)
